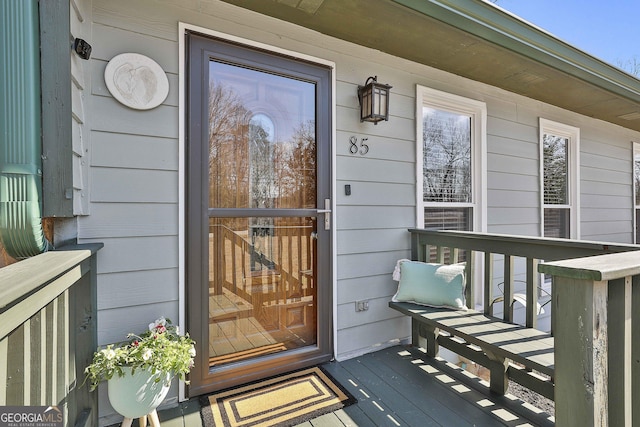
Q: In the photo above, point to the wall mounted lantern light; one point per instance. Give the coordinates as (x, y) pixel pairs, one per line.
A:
(374, 101)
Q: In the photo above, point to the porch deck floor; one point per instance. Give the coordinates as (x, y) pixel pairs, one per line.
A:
(401, 386)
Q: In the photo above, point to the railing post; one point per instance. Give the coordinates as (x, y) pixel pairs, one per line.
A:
(533, 281)
(507, 314)
(84, 328)
(619, 325)
(417, 249)
(581, 360)
(48, 332)
(488, 283)
(469, 271)
(596, 347)
(635, 350)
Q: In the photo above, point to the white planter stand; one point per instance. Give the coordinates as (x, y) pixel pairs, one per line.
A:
(138, 395)
(142, 421)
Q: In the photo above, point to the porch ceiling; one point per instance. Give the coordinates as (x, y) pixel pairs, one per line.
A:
(476, 40)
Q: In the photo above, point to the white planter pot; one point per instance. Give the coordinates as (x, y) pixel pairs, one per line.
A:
(134, 396)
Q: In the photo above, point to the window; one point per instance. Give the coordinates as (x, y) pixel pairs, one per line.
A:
(636, 190)
(559, 166)
(451, 158)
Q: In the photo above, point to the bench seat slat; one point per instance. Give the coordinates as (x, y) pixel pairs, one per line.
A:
(461, 319)
(527, 346)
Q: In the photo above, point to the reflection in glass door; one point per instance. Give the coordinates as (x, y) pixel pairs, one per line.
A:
(262, 290)
(264, 172)
(261, 156)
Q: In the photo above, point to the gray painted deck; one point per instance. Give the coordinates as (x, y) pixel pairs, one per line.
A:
(400, 386)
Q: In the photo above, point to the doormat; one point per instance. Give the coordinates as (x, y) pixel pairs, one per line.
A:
(281, 401)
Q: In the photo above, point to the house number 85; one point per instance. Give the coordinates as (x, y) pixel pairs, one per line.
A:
(358, 148)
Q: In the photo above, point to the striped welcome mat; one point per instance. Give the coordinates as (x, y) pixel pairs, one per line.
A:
(281, 401)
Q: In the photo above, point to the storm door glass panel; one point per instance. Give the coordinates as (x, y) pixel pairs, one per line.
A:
(262, 158)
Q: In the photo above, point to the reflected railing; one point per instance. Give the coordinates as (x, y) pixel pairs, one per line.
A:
(262, 288)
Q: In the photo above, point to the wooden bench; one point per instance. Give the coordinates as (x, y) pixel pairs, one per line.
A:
(506, 349)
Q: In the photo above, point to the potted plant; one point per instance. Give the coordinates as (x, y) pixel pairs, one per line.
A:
(139, 370)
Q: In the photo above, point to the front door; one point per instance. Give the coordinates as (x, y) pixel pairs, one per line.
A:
(258, 213)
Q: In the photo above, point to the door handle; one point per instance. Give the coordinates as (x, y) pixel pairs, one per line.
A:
(327, 214)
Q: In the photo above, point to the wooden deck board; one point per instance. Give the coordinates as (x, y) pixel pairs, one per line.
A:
(442, 406)
(402, 386)
(404, 411)
(327, 420)
(353, 416)
(374, 410)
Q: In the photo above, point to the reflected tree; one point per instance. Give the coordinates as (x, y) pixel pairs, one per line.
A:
(248, 166)
(636, 173)
(555, 169)
(262, 184)
(447, 157)
(299, 176)
(228, 161)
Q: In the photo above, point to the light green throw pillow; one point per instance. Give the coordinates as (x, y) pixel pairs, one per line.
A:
(435, 285)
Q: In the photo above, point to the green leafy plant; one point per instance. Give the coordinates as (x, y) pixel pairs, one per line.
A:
(161, 349)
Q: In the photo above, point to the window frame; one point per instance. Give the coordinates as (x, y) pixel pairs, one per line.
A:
(635, 202)
(477, 111)
(572, 133)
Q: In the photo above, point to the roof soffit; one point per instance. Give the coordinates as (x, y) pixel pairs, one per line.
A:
(476, 40)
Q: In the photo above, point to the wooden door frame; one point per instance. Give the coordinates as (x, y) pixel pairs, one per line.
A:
(295, 358)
